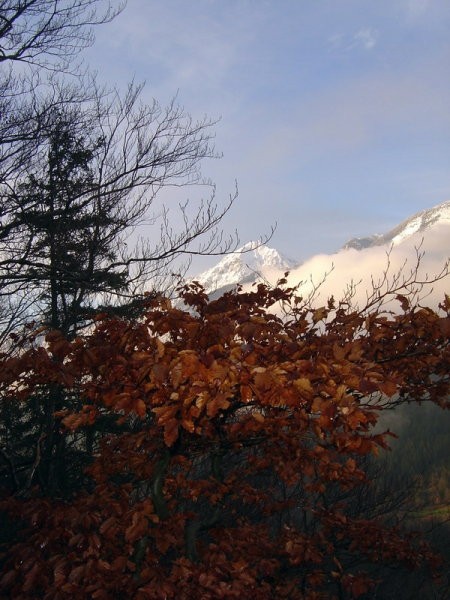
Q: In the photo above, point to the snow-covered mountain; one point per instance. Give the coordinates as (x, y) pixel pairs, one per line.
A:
(418, 223)
(361, 260)
(247, 264)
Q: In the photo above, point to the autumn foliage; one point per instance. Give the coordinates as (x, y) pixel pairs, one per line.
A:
(238, 430)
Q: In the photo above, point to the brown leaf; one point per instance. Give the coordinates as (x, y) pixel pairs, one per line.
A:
(171, 432)
(216, 404)
(140, 407)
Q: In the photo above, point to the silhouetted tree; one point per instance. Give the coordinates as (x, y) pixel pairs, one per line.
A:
(50, 33)
(68, 215)
(82, 226)
(81, 168)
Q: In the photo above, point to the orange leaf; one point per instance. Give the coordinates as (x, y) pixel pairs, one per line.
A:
(339, 352)
(137, 528)
(165, 413)
(319, 314)
(304, 386)
(176, 375)
(160, 348)
(246, 393)
(140, 408)
(188, 424)
(388, 387)
(213, 406)
(404, 302)
(258, 416)
(171, 432)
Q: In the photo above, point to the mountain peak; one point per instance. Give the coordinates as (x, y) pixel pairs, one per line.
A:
(254, 261)
(417, 223)
(245, 264)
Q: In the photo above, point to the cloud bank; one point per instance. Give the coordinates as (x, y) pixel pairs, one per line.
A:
(359, 270)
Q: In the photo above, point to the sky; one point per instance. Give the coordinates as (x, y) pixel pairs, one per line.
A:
(334, 114)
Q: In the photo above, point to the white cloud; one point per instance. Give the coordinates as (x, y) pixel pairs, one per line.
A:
(362, 268)
(366, 37)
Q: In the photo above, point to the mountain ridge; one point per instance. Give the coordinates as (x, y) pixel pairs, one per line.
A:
(417, 223)
(253, 261)
(247, 263)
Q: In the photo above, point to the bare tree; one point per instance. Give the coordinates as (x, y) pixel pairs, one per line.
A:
(84, 208)
(69, 211)
(50, 33)
(40, 41)
(82, 169)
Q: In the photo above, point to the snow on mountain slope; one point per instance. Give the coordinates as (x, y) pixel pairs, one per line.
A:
(418, 223)
(393, 256)
(362, 261)
(245, 265)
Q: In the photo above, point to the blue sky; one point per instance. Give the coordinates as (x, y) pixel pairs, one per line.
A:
(335, 114)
